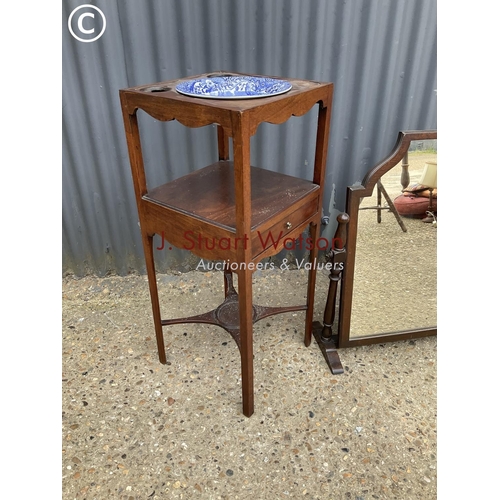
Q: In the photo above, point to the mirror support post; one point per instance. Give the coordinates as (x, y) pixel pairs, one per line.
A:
(323, 334)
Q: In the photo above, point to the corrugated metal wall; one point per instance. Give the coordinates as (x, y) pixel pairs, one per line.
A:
(380, 54)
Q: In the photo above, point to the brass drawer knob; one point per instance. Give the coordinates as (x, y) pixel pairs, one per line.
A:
(288, 225)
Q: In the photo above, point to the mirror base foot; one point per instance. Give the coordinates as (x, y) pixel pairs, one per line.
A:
(329, 350)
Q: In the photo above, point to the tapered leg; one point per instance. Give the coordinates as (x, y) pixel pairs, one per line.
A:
(153, 291)
(228, 277)
(311, 283)
(379, 203)
(246, 336)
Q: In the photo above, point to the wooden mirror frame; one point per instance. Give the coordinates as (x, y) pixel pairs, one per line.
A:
(354, 195)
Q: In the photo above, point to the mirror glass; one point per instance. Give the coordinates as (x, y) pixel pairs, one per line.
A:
(395, 276)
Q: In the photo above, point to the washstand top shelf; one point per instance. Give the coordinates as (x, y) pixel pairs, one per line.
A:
(162, 101)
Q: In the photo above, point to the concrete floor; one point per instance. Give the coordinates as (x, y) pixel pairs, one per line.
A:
(136, 429)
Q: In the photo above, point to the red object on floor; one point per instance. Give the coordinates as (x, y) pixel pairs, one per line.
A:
(414, 206)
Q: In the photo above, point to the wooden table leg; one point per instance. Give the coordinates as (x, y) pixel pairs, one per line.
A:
(228, 277)
(379, 202)
(246, 336)
(311, 282)
(147, 242)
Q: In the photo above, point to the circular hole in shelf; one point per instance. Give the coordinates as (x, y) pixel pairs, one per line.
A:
(213, 75)
(155, 89)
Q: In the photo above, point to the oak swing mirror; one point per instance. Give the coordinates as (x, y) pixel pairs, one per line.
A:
(389, 283)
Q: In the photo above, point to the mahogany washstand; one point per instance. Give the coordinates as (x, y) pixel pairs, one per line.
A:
(230, 200)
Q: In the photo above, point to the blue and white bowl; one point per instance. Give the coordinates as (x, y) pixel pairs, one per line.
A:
(233, 87)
